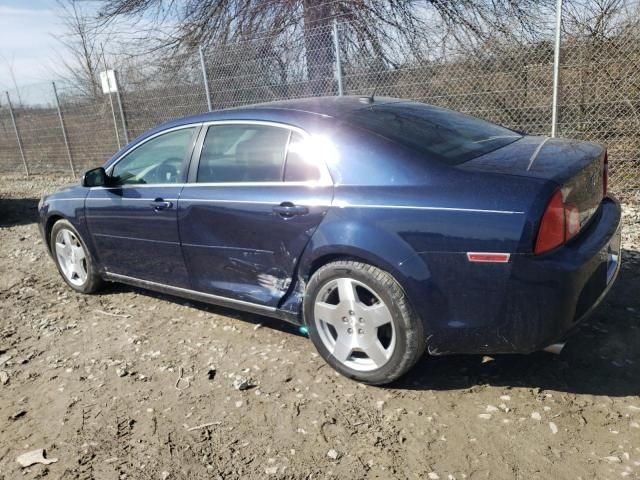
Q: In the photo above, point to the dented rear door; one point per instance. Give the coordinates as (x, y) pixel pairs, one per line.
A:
(237, 245)
(242, 226)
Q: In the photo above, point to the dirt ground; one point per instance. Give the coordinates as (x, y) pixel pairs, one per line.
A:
(131, 384)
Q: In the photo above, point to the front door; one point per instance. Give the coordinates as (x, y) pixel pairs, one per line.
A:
(251, 208)
(133, 222)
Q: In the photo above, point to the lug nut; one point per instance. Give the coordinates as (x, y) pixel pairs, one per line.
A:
(360, 331)
(361, 320)
(351, 312)
(344, 319)
(349, 330)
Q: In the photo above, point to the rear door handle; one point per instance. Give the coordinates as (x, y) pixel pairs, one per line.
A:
(288, 209)
(160, 204)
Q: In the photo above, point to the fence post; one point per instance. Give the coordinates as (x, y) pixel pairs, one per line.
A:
(336, 45)
(64, 130)
(556, 70)
(122, 117)
(15, 127)
(204, 77)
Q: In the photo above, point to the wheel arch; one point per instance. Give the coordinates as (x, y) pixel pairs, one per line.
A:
(408, 274)
(54, 215)
(372, 245)
(344, 253)
(48, 227)
(339, 239)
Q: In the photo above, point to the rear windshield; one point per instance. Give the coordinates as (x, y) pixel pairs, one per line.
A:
(442, 134)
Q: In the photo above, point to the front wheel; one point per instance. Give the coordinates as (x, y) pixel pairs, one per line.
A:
(73, 259)
(361, 322)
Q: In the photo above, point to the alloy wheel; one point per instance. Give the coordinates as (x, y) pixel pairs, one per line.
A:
(354, 324)
(71, 257)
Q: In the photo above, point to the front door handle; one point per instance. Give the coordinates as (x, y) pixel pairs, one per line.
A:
(160, 204)
(288, 210)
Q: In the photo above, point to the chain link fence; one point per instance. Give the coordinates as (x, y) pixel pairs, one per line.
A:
(509, 83)
(600, 101)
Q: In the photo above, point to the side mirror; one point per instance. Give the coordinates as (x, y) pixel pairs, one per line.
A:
(96, 177)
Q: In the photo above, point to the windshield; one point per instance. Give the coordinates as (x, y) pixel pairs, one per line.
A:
(442, 134)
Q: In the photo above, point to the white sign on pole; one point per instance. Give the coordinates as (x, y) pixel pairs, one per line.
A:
(108, 81)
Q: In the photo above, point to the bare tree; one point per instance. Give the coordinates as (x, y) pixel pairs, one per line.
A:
(384, 29)
(81, 60)
(589, 18)
(10, 68)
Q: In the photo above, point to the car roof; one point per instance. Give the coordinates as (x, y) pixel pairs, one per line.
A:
(300, 112)
(329, 106)
(334, 107)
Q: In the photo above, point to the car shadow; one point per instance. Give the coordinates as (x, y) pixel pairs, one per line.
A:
(601, 358)
(18, 211)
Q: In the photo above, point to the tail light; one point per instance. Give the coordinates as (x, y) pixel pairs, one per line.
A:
(560, 222)
(605, 174)
(552, 226)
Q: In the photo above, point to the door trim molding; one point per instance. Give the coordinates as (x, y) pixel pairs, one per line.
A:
(134, 239)
(207, 297)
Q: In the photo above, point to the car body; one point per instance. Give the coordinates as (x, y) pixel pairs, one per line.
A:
(456, 224)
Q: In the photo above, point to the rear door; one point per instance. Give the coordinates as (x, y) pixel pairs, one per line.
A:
(133, 223)
(253, 200)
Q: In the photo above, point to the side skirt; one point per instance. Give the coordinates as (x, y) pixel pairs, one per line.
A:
(204, 297)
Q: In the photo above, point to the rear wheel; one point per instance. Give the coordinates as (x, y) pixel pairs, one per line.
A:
(360, 321)
(73, 259)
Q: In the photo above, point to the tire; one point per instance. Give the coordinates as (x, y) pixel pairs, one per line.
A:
(374, 336)
(73, 259)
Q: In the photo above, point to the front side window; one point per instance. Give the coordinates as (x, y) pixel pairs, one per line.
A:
(243, 153)
(159, 160)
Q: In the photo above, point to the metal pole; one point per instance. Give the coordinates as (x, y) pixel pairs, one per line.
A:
(122, 117)
(113, 112)
(556, 70)
(15, 127)
(204, 77)
(336, 44)
(64, 131)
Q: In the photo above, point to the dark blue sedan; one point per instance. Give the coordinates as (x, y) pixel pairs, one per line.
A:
(385, 227)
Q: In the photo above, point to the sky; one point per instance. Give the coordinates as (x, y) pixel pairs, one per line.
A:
(27, 41)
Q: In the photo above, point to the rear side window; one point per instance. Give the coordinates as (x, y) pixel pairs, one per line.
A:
(438, 133)
(299, 168)
(243, 153)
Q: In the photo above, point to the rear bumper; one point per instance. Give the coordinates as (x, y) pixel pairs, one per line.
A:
(571, 282)
(533, 301)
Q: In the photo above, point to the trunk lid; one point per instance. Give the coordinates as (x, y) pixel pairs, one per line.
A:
(577, 167)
